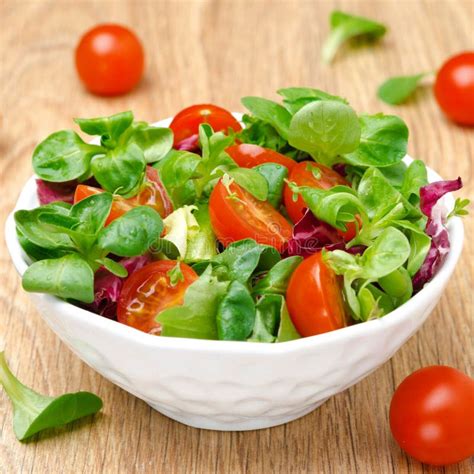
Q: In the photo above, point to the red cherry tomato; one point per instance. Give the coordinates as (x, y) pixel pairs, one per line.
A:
(110, 60)
(432, 415)
(247, 156)
(314, 298)
(149, 291)
(305, 174)
(454, 88)
(186, 123)
(152, 194)
(236, 215)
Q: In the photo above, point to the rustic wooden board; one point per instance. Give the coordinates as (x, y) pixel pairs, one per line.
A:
(218, 51)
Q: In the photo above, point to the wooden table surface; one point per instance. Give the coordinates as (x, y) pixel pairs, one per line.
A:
(217, 51)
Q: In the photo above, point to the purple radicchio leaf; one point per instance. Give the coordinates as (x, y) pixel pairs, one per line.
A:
(189, 144)
(340, 168)
(311, 235)
(107, 286)
(51, 192)
(435, 228)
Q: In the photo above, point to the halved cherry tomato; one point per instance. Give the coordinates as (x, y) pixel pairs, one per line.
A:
(236, 214)
(305, 174)
(152, 194)
(432, 415)
(186, 123)
(110, 59)
(247, 155)
(149, 291)
(314, 298)
(454, 88)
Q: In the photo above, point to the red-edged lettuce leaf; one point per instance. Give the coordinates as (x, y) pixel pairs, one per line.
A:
(435, 228)
(51, 192)
(107, 287)
(310, 235)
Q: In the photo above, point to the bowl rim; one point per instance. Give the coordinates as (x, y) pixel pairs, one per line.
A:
(401, 314)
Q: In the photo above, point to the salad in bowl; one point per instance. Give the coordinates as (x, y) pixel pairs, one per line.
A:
(296, 219)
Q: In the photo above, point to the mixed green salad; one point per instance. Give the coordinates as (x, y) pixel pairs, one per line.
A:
(300, 219)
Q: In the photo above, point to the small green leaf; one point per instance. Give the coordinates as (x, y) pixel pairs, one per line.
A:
(236, 313)
(63, 156)
(398, 89)
(133, 233)
(271, 112)
(277, 278)
(196, 318)
(175, 274)
(325, 129)
(383, 141)
(121, 171)
(251, 180)
(67, 277)
(287, 330)
(459, 209)
(113, 267)
(345, 27)
(275, 175)
(33, 412)
(92, 212)
(155, 142)
(108, 128)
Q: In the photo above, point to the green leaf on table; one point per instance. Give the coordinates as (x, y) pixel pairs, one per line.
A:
(121, 171)
(398, 89)
(276, 279)
(33, 412)
(325, 129)
(270, 112)
(67, 277)
(196, 318)
(383, 141)
(64, 156)
(346, 27)
(275, 175)
(236, 313)
(133, 233)
(108, 128)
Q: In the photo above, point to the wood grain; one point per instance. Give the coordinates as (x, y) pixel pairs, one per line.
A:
(218, 51)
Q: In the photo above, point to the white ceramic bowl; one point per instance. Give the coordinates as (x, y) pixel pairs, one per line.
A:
(225, 385)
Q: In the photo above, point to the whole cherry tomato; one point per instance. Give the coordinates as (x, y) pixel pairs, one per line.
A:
(149, 291)
(432, 415)
(314, 298)
(454, 88)
(247, 156)
(186, 123)
(236, 214)
(110, 60)
(152, 194)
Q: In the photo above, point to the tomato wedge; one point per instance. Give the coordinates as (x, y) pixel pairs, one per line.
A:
(186, 123)
(247, 155)
(314, 298)
(152, 194)
(306, 174)
(149, 291)
(236, 214)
